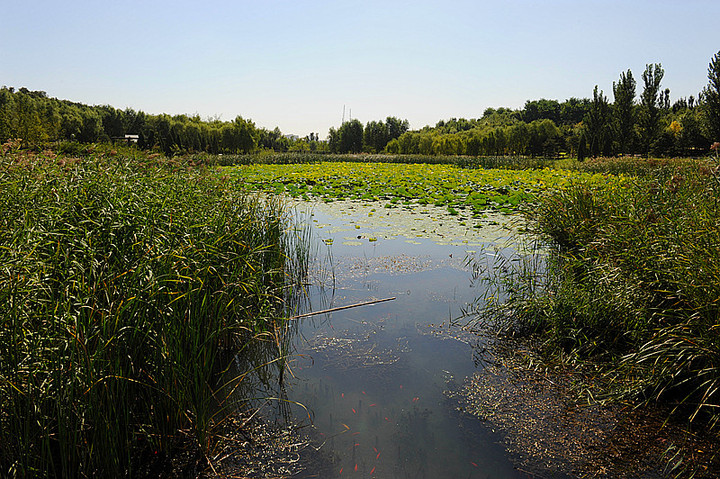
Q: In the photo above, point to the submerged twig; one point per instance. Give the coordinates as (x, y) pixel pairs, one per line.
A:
(339, 308)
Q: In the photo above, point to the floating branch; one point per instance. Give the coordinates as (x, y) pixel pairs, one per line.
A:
(339, 308)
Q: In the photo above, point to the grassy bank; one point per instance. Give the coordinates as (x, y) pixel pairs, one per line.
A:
(123, 286)
(632, 285)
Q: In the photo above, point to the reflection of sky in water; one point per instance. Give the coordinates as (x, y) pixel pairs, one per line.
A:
(373, 377)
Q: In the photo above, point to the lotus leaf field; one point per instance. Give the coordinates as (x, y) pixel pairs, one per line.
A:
(406, 184)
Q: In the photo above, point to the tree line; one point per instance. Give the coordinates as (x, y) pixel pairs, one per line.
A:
(648, 124)
(38, 119)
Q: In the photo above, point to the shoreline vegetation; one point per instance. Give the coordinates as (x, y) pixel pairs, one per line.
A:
(626, 300)
(128, 286)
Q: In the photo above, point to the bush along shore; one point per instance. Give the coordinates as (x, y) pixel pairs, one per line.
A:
(631, 286)
(126, 288)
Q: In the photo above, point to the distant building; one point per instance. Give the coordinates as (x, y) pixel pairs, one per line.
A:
(127, 138)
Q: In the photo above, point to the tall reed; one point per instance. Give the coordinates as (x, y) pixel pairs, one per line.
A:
(121, 284)
(632, 280)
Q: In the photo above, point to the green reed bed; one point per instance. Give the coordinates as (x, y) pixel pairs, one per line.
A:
(272, 158)
(122, 286)
(629, 165)
(632, 282)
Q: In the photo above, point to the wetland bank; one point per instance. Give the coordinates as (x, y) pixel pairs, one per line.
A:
(562, 421)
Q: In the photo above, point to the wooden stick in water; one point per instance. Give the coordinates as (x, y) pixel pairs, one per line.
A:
(339, 308)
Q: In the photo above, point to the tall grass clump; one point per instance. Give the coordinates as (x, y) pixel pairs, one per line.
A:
(629, 165)
(632, 282)
(122, 285)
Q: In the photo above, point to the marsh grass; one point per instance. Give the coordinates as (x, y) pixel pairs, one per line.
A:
(629, 165)
(630, 284)
(125, 287)
(500, 162)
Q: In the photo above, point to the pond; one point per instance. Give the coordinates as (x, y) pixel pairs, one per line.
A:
(371, 381)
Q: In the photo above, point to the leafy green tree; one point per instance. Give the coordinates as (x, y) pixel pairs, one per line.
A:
(27, 120)
(7, 113)
(395, 127)
(473, 144)
(499, 117)
(573, 110)
(582, 148)
(351, 136)
(597, 124)
(239, 136)
(623, 111)
(519, 138)
(348, 138)
(91, 128)
(334, 140)
(649, 120)
(500, 141)
(273, 140)
(393, 147)
(711, 95)
(425, 146)
(692, 138)
(112, 121)
(664, 101)
(133, 121)
(409, 143)
(375, 136)
(541, 109)
(542, 138)
(70, 123)
(247, 134)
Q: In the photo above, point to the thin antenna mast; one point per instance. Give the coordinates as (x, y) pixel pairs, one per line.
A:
(343, 118)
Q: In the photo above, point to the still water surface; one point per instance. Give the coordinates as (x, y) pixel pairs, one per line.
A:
(372, 378)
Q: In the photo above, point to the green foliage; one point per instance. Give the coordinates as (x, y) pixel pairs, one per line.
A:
(377, 134)
(582, 148)
(539, 138)
(347, 139)
(633, 281)
(541, 110)
(123, 282)
(623, 117)
(597, 124)
(711, 95)
(649, 119)
(38, 120)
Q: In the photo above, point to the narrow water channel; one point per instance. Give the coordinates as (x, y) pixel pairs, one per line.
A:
(372, 379)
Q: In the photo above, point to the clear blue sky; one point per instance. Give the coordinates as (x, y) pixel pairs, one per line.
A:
(294, 64)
